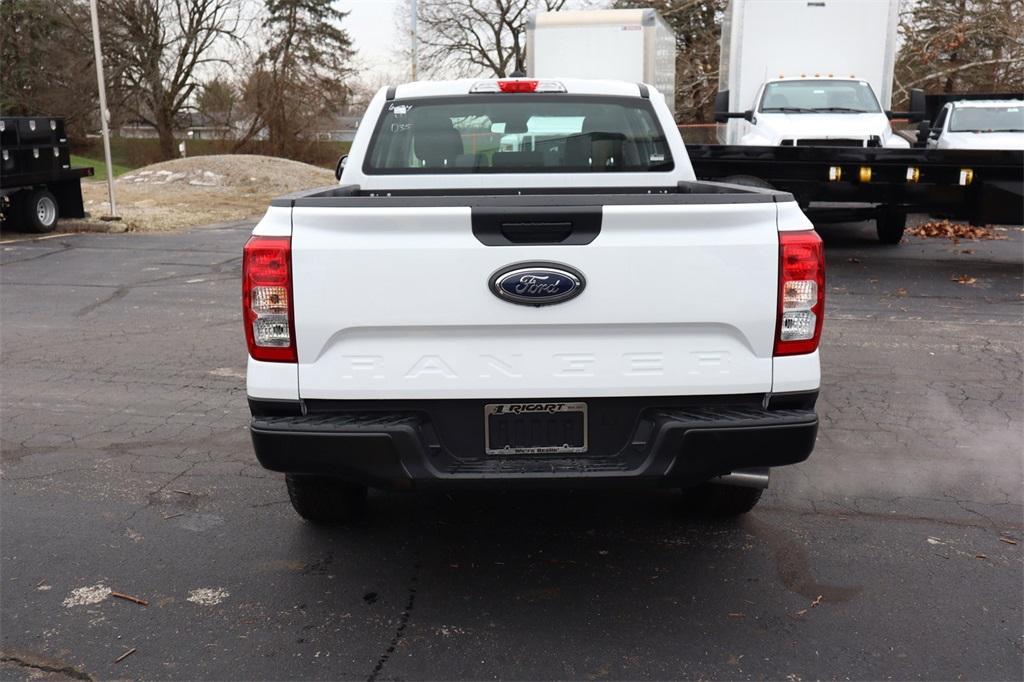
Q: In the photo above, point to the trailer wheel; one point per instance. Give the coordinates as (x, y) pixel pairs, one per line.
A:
(890, 224)
(40, 211)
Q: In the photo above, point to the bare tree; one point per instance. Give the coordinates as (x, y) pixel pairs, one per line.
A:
(157, 47)
(475, 37)
(46, 52)
(961, 46)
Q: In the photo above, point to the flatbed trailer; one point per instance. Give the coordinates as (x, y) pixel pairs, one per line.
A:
(835, 184)
(37, 183)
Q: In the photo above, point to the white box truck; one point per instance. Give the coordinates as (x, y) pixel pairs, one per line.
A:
(633, 45)
(809, 73)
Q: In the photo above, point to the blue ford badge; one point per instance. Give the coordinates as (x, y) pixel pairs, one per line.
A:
(537, 283)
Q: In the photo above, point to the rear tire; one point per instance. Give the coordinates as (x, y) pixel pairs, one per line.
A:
(40, 211)
(714, 499)
(890, 225)
(326, 501)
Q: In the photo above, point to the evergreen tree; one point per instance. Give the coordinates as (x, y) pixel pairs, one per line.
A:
(301, 75)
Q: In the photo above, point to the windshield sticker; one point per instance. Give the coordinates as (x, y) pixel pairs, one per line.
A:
(400, 109)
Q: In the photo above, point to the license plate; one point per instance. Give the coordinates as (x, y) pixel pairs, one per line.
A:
(535, 428)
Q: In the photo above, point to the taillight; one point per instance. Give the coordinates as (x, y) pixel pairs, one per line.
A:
(267, 306)
(801, 293)
(516, 85)
(522, 85)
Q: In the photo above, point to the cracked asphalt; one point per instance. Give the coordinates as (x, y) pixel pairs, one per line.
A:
(894, 552)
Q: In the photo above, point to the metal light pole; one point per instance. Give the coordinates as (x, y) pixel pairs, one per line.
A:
(415, 39)
(104, 113)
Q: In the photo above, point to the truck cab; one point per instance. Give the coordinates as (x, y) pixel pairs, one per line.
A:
(819, 111)
(979, 124)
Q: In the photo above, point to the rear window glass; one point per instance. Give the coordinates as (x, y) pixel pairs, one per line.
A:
(511, 133)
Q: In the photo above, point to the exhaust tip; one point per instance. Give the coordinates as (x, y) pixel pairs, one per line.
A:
(746, 478)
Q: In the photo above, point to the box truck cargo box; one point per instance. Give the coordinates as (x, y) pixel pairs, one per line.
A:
(808, 72)
(622, 44)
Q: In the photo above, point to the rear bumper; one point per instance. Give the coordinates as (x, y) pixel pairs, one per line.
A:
(426, 444)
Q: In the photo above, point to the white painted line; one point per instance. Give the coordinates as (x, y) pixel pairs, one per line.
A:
(39, 239)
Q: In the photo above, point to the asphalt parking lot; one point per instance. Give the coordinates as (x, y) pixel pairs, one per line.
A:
(895, 552)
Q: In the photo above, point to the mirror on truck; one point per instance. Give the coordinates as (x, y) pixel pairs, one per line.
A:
(917, 104)
(340, 166)
(722, 106)
(722, 113)
(916, 109)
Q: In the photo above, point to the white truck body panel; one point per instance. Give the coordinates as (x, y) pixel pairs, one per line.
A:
(707, 329)
(763, 40)
(630, 45)
(707, 332)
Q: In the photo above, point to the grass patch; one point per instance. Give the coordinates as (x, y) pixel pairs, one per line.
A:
(99, 166)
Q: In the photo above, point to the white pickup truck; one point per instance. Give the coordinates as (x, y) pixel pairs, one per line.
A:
(521, 283)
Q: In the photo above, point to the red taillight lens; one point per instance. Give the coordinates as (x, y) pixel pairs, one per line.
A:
(520, 85)
(801, 293)
(267, 306)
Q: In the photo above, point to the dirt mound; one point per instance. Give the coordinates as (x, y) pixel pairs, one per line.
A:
(241, 172)
(201, 190)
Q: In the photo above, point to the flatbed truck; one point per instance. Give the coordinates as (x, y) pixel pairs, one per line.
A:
(38, 186)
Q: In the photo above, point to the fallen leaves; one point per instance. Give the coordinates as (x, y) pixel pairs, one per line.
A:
(1007, 540)
(947, 229)
(964, 279)
(817, 602)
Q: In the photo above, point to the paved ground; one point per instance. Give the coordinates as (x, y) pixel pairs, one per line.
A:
(126, 466)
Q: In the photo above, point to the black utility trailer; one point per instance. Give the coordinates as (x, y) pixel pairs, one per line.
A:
(37, 183)
(838, 184)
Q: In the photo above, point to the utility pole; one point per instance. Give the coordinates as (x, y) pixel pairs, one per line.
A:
(104, 112)
(415, 39)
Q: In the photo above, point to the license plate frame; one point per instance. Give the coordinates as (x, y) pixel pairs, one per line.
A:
(523, 411)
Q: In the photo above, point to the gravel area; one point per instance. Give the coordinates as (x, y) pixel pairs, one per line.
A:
(200, 190)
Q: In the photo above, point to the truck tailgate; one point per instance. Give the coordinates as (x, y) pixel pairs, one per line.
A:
(394, 302)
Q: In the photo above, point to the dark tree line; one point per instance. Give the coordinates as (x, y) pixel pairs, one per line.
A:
(165, 59)
(276, 74)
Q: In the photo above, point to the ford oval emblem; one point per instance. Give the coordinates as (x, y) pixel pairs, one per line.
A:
(537, 283)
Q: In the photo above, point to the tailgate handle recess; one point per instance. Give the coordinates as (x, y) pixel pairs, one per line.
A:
(537, 232)
(549, 225)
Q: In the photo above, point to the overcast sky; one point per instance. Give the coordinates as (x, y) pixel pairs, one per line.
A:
(372, 27)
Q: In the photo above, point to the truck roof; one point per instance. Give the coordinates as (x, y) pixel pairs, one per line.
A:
(595, 17)
(986, 103)
(813, 77)
(573, 86)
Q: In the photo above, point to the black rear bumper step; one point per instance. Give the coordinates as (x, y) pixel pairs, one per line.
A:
(403, 449)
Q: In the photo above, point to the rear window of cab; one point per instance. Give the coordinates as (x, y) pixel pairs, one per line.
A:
(517, 133)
